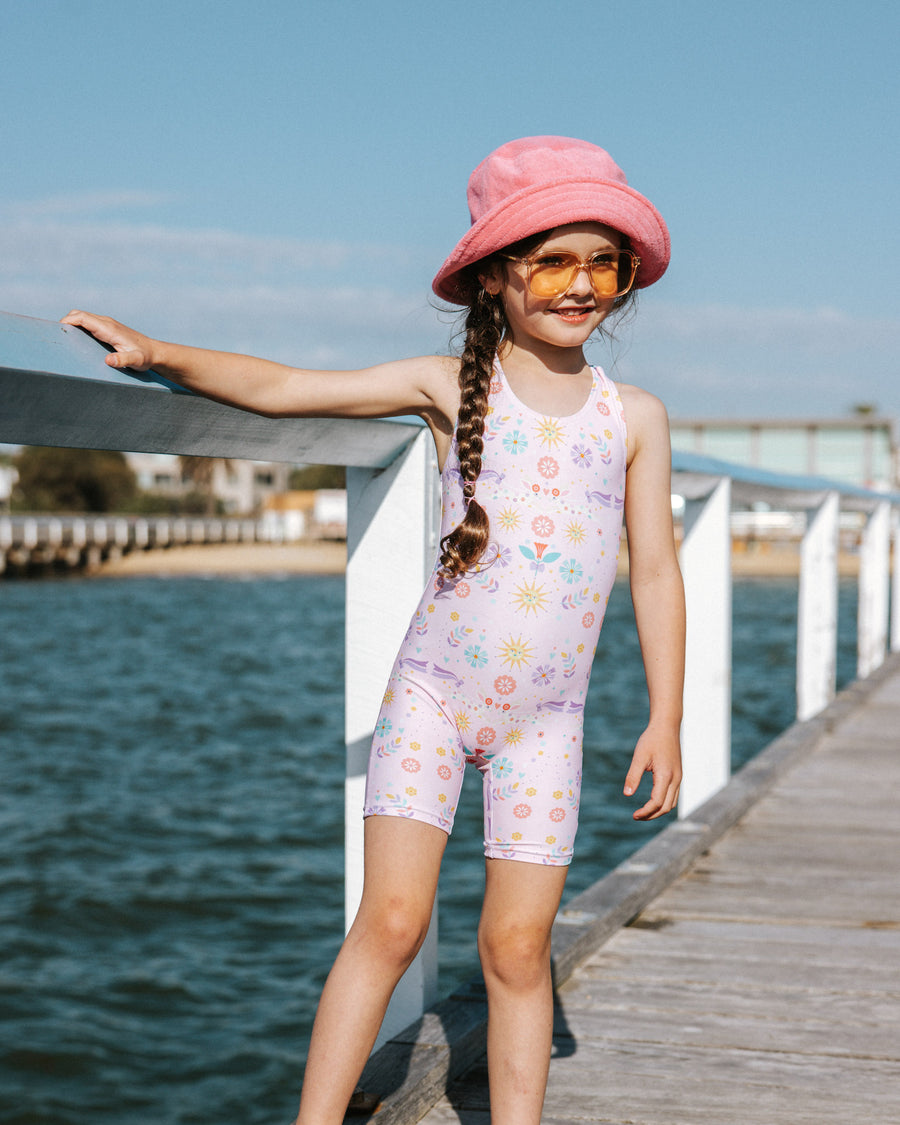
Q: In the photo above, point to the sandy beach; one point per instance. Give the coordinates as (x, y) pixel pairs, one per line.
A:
(320, 557)
(328, 557)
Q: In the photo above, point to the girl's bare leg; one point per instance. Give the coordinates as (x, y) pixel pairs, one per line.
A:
(520, 903)
(402, 862)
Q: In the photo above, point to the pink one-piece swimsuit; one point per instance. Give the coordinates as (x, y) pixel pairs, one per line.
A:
(495, 665)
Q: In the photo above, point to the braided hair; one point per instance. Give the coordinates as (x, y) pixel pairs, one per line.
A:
(485, 329)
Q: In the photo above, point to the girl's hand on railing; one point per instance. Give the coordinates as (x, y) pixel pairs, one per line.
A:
(131, 348)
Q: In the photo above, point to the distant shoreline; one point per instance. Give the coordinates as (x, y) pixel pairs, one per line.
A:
(329, 557)
(319, 557)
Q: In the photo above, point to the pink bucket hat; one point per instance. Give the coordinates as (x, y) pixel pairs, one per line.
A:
(538, 183)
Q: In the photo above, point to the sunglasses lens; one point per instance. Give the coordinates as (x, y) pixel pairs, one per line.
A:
(605, 270)
(552, 274)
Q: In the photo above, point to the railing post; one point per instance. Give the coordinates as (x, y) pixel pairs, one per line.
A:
(706, 563)
(392, 528)
(895, 587)
(817, 609)
(874, 578)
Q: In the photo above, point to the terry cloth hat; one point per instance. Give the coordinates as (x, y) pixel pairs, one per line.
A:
(539, 183)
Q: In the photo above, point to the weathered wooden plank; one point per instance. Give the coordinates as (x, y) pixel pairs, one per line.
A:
(653, 1084)
(766, 1000)
(756, 1030)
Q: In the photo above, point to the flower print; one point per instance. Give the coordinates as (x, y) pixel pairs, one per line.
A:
(556, 815)
(462, 720)
(588, 620)
(503, 556)
(542, 675)
(557, 794)
(571, 570)
(501, 767)
(411, 791)
(517, 835)
(603, 408)
(463, 589)
(454, 616)
(581, 648)
(543, 526)
(441, 750)
(496, 387)
(515, 442)
(575, 532)
(509, 519)
(485, 736)
(516, 652)
(550, 432)
(384, 728)
(582, 456)
(522, 811)
(444, 772)
(548, 467)
(411, 765)
(475, 656)
(442, 797)
(513, 736)
(415, 746)
(550, 840)
(531, 598)
(389, 696)
(504, 685)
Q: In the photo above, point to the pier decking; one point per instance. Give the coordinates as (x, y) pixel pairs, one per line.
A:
(762, 986)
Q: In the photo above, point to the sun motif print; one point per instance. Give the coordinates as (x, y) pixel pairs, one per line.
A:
(495, 666)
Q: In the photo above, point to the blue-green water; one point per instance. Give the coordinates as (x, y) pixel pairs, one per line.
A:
(171, 769)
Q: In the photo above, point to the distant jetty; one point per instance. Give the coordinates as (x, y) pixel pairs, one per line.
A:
(38, 545)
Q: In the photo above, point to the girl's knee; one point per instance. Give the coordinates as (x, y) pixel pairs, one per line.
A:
(514, 953)
(394, 931)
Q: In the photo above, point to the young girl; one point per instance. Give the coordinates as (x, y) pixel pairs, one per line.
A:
(540, 456)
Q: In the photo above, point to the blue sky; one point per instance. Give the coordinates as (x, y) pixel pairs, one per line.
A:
(285, 178)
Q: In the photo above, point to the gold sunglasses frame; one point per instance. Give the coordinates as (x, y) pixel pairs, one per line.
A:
(533, 260)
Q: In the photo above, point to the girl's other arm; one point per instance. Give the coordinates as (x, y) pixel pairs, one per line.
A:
(423, 386)
(657, 593)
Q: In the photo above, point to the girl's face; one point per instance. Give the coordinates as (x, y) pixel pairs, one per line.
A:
(566, 320)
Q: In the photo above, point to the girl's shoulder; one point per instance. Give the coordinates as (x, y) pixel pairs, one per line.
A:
(641, 404)
(645, 415)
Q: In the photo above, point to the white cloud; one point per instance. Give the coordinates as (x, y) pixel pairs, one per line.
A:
(83, 203)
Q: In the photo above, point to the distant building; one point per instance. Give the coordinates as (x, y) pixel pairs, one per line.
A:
(318, 514)
(242, 487)
(860, 449)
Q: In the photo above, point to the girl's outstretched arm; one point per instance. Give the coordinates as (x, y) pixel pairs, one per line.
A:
(424, 386)
(657, 592)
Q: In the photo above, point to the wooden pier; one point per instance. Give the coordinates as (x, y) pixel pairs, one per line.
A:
(762, 985)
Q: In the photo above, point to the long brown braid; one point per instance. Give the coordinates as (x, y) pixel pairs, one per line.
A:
(485, 327)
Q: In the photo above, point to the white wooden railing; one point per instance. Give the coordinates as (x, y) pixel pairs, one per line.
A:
(56, 390)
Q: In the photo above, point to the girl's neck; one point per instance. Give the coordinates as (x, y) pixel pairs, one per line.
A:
(535, 357)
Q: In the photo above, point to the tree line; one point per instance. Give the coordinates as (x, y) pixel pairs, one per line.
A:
(53, 479)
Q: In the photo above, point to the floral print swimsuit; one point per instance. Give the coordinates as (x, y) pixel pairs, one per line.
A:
(495, 665)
